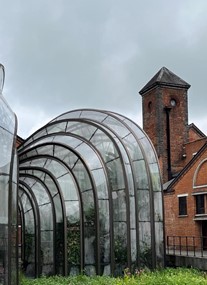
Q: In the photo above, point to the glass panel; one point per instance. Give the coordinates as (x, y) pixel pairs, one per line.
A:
(90, 157)
(3, 252)
(34, 162)
(48, 149)
(55, 167)
(119, 205)
(46, 217)
(104, 223)
(73, 236)
(120, 246)
(29, 143)
(61, 152)
(116, 126)
(39, 134)
(104, 144)
(70, 159)
(13, 218)
(6, 142)
(58, 209)
(133, 147)
(132, 213)
(158, 207)
(55, 128)
(72, 211)
(82, 176)
(148, 149)
(130, 181)
(145, 244)
(115, 172)
(143, 205)
(7, 116)
(40, 193)
(68, 115)
(70, 141)
(88, 202)
(59, 248)
(4, 182)
(29, 238)
(140, 173)
(49, 183)
(133, 246)
(159, 246)
(68, 187)
(47, 252)
(136, 129)
(93, 115)
(81, 129)
(182, 205)
(101, 184)
(123, 150)
(200, 204)
(155, 176)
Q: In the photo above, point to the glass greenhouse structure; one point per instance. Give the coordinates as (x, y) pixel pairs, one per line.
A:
(83, 193)
(8, 192)
(90, 197)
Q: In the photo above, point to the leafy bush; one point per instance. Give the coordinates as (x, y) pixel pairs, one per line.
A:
(169, 276)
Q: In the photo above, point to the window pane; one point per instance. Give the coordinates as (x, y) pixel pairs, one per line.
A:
(200, 207)
(183, 205)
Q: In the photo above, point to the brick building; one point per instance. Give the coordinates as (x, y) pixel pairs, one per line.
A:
(182, 154)
(19, 141)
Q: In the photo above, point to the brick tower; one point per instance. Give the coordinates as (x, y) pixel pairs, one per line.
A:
(165, 119)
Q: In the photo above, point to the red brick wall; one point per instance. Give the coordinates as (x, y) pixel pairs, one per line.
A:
(176, 225)
(191, 148)
(201, 177)
(154, 124)
(193, 135)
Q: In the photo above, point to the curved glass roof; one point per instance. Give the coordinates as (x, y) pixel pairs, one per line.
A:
(90, 183)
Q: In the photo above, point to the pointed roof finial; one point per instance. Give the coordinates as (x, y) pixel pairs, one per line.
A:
(165, 77)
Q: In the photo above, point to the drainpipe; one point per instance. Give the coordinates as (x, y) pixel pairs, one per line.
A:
(167, 110)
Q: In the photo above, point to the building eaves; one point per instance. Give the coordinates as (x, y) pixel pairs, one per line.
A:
(164, 77)
(198, 131)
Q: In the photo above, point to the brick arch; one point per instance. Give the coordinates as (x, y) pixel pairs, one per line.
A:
(200, 175)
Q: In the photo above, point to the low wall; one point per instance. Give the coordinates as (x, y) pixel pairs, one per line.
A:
(186, 261)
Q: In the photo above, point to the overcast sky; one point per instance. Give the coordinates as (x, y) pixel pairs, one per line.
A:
(61, 55)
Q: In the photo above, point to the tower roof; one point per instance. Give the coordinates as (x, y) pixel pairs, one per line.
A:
(165, 77)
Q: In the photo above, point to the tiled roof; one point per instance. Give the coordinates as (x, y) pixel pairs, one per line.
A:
(165, 77)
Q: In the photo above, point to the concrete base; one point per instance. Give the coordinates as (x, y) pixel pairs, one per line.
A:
(186, 261)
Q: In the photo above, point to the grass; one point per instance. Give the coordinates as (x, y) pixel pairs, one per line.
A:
(168, 276)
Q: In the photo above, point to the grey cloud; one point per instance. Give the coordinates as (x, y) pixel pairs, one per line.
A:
(64, 54)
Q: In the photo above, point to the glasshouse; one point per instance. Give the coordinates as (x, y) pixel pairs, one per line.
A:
(89, 197)
(8, 191)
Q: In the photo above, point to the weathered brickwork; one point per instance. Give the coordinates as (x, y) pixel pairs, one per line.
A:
(191, 148)
(176, 225)
(165, 119)
(193, 135)
(155, 124)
